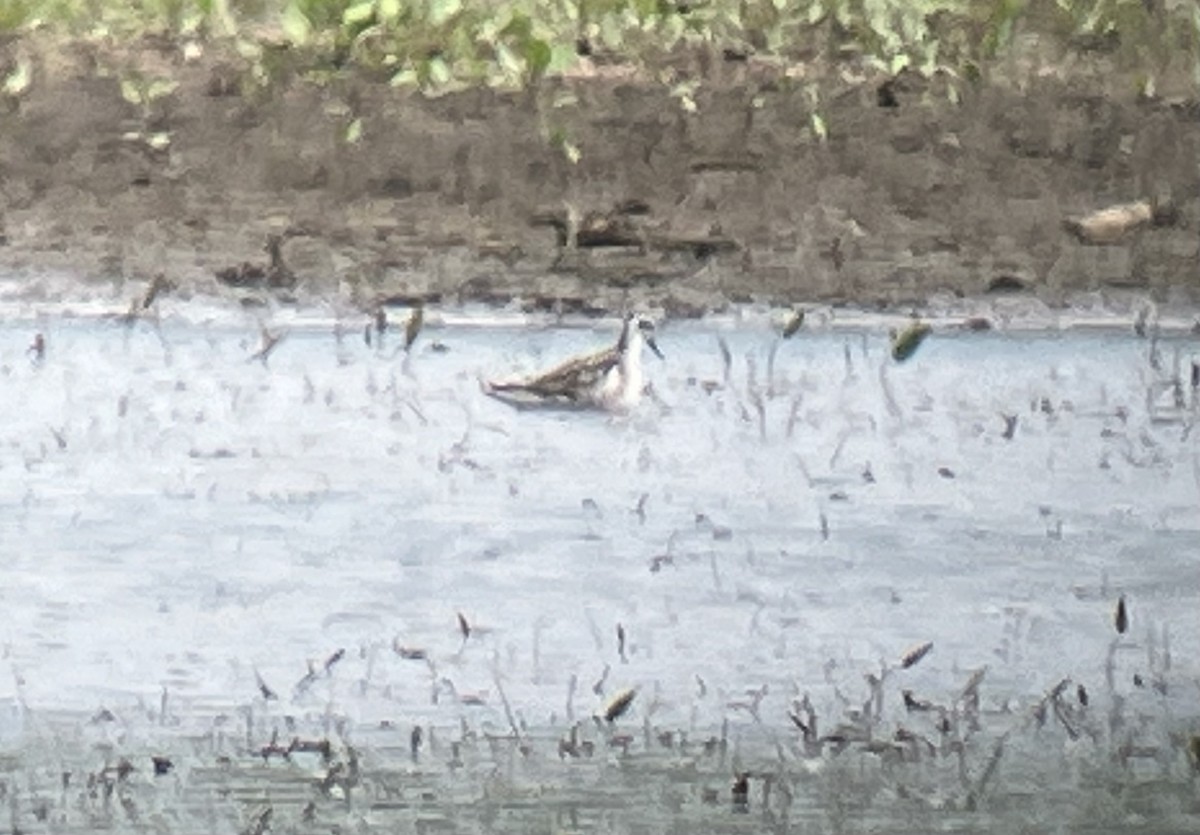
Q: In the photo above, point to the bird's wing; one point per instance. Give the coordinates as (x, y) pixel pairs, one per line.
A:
(568, 380)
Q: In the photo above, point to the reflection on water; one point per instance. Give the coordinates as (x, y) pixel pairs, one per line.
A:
(754, 550)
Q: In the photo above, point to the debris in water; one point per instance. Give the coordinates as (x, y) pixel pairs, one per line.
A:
(260, 822)
(915, 654)
(656, 563)
(269, 342)
(618, 704)
(37, 348)
(914, 705)
(598, 687)
(1121, 617)
(162, 765)
(906, 342)
(741, 792)
(621, 644)
(158, 286)
(409, 653)
(1010, 427)
(333, 659)
(267, 692)
(1082, 694)
(794, 323)
(640, 509)
(413, 328)
(945, 472)
(1139, 323)
(464, 628)
(726, 357)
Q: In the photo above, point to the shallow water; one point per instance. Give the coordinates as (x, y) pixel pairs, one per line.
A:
(176, 519)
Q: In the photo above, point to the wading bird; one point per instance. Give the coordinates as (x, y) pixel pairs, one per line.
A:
(610, 379)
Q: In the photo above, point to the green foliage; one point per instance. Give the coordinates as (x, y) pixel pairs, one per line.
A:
(441, 44)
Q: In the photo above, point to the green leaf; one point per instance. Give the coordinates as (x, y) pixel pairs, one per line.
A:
(612, 32)
(358, 13)
(159, 141)
(406, 77)
(510, 65)
(818, 126)
(438, 71)
(672, 30)
(160, 87)
(562, 58)
(131, 91)
(389, 10)
(354, 132)
(296, 26)
(441, 11)
(519, 27)
(19, 79)
(537, 57)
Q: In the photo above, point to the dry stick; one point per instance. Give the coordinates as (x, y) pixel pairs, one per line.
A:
(843, 437)
(794, 415)
(571, 685)
(726, 358)
(1110, 665)
(774, 349)
(508, 714)
(888, 397)
(1051, 697)
(538, 626)
(756, 400)
(269, 342)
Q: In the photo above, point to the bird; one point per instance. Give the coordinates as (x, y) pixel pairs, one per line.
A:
(610, 379)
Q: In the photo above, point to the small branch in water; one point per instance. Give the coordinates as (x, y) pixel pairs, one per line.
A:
(270, 341)
(726, 358)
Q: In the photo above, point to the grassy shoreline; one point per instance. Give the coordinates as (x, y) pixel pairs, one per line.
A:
(444, 45)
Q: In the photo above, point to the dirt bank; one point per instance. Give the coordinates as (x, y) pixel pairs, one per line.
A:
(588, 194)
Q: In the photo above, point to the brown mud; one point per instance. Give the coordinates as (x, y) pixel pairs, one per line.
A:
(380, 193)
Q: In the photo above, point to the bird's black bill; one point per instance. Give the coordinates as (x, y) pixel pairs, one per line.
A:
(654, 347)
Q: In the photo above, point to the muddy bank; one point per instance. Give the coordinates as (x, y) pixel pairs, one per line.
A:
(587, 194)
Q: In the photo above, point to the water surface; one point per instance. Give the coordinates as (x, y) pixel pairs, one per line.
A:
(176, 520)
